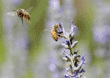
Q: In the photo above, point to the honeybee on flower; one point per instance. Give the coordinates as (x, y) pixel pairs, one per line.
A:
(55, 32)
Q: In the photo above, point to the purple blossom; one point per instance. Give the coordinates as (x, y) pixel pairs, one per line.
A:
(72, 27)
(70, 34)
(65, 45)
(83, 60)
(66, 76)
(74, 44)
(62, 28)
(82, 71)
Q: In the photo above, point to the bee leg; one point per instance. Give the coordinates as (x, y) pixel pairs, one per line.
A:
(60, 36)
(60, 32)
(22, 20)
(29, 21)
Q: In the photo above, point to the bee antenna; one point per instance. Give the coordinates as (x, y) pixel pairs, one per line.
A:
(30, 8)
(13, 10)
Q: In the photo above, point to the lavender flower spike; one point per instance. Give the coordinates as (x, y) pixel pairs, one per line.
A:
(74, 69)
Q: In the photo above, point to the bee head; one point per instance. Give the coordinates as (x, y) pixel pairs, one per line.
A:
(18, 11)
(60, 25)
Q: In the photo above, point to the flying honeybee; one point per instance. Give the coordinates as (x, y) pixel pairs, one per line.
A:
(21, 13)
(55, 34)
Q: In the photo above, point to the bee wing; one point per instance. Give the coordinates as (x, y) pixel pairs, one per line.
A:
(11, 13)
(29, 9)
(48, 29)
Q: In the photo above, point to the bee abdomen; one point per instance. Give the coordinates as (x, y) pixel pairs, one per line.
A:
(27, 16)
(54, 35)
